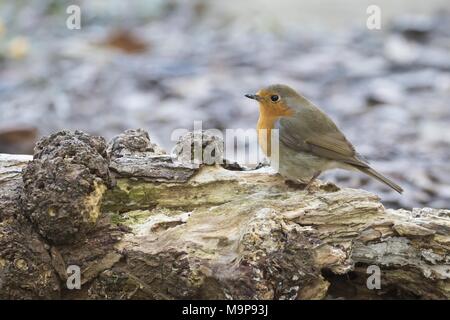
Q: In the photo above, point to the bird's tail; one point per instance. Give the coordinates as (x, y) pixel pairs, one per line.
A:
(371, 172)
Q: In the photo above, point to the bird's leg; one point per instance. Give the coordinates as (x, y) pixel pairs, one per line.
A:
(310, 182)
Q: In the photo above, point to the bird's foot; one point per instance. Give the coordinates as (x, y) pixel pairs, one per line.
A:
(309, 186)
(313, 186)
(296, 184)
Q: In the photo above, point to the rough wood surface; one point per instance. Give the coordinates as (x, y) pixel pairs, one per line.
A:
(208, 232)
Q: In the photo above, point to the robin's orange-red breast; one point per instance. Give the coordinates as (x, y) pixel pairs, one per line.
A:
(309, 141)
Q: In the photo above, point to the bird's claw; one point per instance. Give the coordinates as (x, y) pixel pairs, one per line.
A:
(296, 185)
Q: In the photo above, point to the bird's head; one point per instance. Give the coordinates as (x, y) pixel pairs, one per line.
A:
(277, 100)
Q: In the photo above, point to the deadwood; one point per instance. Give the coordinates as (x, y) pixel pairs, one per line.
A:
(141, 224)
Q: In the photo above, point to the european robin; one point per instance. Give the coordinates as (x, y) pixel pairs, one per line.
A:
(309, 141)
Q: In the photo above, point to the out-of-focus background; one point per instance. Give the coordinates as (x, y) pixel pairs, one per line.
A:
(161, 64)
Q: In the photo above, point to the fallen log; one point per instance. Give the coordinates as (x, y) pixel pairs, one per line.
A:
(141, 224)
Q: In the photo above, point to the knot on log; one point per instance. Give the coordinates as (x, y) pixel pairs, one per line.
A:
(133, 142)
(133, 155)
(202, 147)
(64, 183)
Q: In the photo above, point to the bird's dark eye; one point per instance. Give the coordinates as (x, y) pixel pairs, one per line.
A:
(275, 98)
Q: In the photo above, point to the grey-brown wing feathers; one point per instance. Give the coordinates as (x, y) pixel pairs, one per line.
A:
(313, 132)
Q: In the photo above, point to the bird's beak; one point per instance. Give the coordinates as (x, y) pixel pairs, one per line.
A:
(253, 96)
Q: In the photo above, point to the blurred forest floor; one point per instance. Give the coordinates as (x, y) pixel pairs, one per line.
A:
(160, 65)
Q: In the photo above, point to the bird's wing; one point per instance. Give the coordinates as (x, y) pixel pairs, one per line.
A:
(314, 132)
